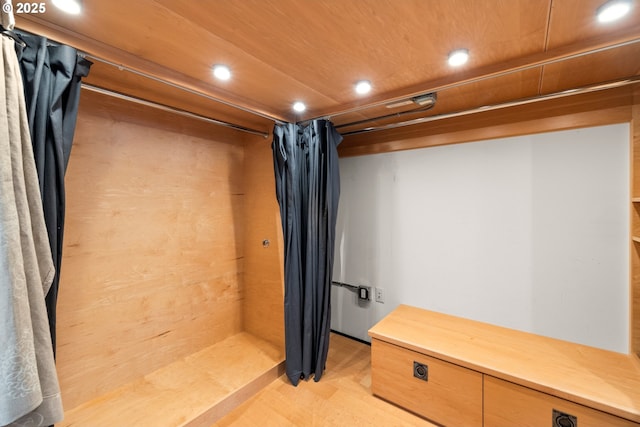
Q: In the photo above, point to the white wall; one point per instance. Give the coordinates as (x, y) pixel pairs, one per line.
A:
(530, 232)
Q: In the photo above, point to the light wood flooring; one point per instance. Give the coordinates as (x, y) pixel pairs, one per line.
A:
(341, 398)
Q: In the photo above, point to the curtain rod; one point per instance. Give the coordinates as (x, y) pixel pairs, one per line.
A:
(570, 92)
(183, 88)
(175, 85)
(172, 110)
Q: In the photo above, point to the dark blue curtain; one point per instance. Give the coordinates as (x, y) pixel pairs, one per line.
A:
(308, 190)
(51, 76)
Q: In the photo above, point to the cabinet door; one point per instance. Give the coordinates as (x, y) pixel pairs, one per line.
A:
(447, 394)
(507, 405)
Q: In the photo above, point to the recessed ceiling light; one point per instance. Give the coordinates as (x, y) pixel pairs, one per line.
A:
(612, 10)
(458, 57)
(221, 72)
(299, 107)
(73, 7)
(363, 87)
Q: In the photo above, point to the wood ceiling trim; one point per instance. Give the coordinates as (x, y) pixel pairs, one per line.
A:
(496, 107)
(31, 23)
(585, 47)
(590, 109)
(452, 135)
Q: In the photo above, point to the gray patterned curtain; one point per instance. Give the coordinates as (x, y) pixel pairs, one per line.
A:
(51, 76)
(308, 190)
(29, 391)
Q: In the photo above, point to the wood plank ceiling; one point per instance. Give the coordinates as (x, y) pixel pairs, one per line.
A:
(281, 51)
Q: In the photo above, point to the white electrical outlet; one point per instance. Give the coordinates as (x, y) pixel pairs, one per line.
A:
(380, 295)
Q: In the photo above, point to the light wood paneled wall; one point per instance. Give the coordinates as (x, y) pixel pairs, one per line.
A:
(263, 308)
(635, 225)
(153, 248)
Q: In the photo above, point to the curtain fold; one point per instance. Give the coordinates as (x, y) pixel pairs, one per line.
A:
(52, 80)
(29, 390)
(308, 191)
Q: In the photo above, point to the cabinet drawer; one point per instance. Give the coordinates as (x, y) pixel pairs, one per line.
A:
(507, 404)
(450, 395)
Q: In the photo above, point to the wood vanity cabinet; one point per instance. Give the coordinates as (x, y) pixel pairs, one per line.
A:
(460, 372)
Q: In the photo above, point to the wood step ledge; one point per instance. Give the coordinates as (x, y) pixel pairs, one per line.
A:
(192, 392)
